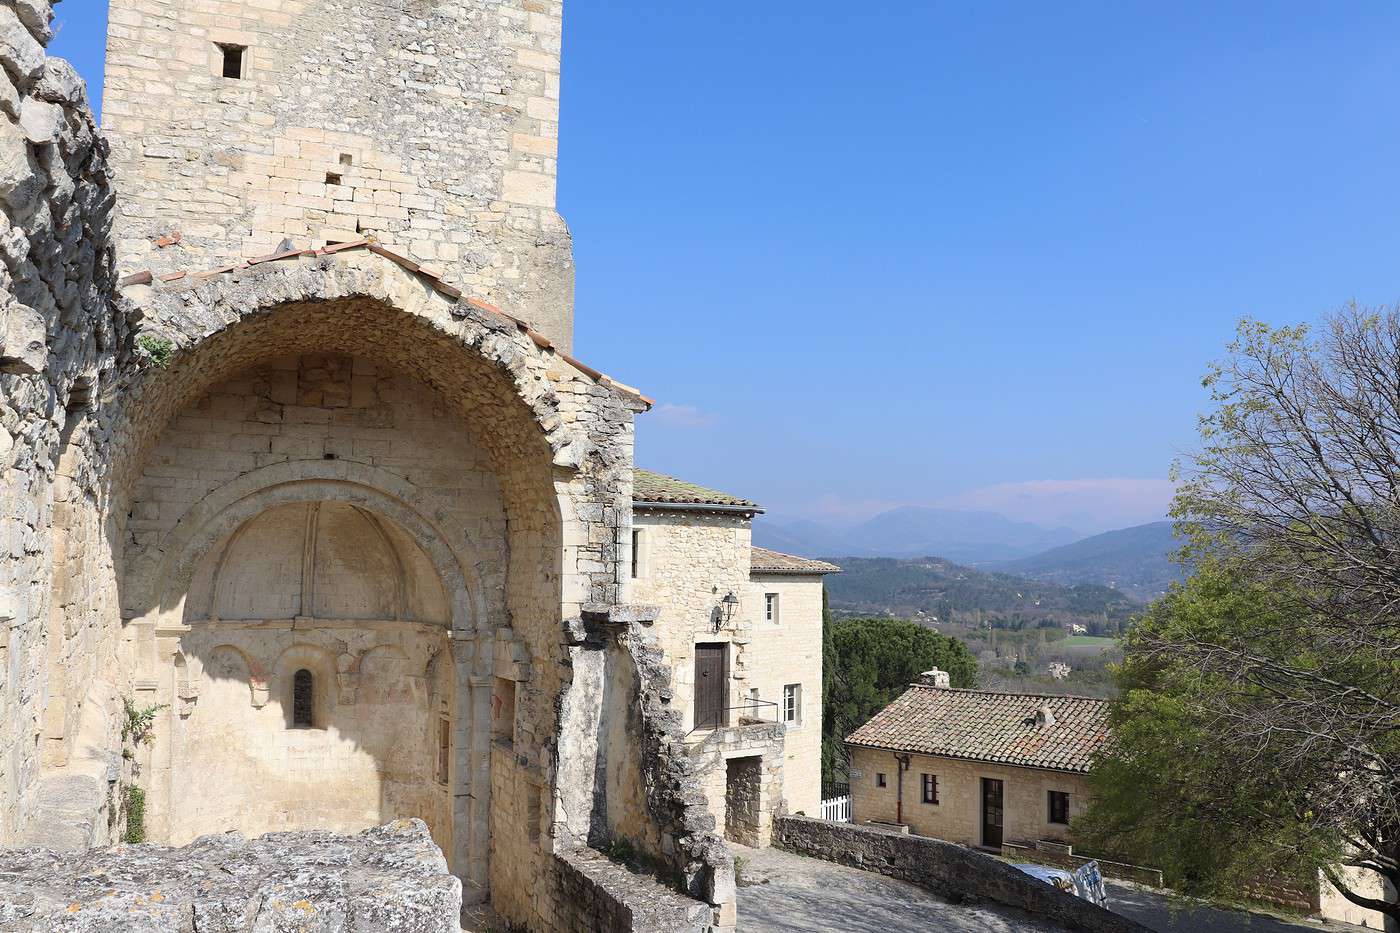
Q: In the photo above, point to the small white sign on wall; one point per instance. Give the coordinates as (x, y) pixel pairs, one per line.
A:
(857, 774)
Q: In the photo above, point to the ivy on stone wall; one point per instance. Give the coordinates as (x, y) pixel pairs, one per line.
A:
(134, 811)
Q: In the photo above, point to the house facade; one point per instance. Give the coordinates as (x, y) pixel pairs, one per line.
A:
(977, 767)
(741, 628)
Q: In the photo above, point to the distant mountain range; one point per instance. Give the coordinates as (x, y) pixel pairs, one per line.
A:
(1136, 561)
(915, 531)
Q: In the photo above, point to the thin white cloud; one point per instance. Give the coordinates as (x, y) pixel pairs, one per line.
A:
(1087, 505)
(681, 416)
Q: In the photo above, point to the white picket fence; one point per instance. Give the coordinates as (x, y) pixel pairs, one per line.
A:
(837, 809)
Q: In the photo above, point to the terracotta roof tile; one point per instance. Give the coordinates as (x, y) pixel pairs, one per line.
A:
(984, 726)
(649, 487)
(762, 560)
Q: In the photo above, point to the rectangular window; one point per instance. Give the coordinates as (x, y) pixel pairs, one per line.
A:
(233, 60)
(879, 779)
(636, 553)
(503, 710)
(770, 607)
(1059, 807)
(444, 747)
(792, 703)
(930, 788)
(532, 811)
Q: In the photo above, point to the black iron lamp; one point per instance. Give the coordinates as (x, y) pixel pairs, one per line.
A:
(724, 612)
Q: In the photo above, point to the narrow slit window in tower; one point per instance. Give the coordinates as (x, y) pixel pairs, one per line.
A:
(233, 60)
(303, 699)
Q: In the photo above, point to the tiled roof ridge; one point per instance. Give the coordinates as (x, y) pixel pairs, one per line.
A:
(983, 725)
(426, 273)
(1007, 693)
(798, 564)
(683, 493)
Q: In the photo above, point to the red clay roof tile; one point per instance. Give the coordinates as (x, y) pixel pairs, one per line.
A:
(986, 726)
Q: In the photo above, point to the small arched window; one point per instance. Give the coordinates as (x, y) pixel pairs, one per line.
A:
(303, 699)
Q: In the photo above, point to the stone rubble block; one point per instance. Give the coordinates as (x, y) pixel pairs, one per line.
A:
(21, 54)
(392, 878)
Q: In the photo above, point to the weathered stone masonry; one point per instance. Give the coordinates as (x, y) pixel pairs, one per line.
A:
(432, 126)
(165, 438)
(61, 338)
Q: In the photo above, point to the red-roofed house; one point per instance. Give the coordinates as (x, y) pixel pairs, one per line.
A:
(974, 766)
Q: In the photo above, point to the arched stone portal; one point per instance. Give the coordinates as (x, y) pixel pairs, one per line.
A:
(350, 546)
(344, 471)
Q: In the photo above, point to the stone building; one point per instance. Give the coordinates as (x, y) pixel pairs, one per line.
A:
(977, 767)
(741, 628)
(308, 517)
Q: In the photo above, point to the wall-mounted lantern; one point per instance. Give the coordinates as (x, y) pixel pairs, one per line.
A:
(724, 613)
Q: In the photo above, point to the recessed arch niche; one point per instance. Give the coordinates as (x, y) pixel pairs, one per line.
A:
(335, 561)
(335, 593)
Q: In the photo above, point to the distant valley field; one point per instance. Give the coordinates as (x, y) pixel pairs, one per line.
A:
(1028, 636)
(940, 591)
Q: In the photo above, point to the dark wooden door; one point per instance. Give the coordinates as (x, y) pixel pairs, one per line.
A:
(711, 675)
(991, 813)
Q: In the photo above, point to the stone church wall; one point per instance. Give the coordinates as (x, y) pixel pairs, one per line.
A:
(432, 126)
(60, 337)
(557, 436)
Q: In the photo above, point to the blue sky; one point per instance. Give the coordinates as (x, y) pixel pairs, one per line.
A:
(950, 253)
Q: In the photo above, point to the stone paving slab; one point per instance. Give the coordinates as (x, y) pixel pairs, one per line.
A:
(1167, 915)
(806, 895)
(803, 895)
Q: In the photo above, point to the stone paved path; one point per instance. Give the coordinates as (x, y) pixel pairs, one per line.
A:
(805, 895)
(1157, 911)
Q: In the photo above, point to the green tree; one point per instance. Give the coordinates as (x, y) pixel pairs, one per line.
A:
(866, 664)
(1182, 788)
(1266, 692)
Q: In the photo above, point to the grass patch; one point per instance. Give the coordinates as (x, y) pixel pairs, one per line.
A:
(1088, 641)
(157, 349)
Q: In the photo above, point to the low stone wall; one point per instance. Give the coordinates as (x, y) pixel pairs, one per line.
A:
(391, 877)
(949, 870)
(597, 895)
(1152, 877)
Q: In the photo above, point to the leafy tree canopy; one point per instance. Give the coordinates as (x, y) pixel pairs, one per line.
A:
(1183, 789)
(1259, 725)
(869, 662)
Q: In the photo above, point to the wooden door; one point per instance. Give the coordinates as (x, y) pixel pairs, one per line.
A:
(991, 813)
(711, 675)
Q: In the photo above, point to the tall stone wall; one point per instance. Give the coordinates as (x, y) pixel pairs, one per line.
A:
(60, 339)
(432, 126)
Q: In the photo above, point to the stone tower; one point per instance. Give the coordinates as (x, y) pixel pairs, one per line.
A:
(429, 125)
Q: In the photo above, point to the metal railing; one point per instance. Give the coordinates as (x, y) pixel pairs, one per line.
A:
(719, 718)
